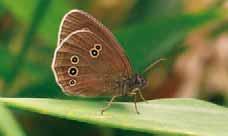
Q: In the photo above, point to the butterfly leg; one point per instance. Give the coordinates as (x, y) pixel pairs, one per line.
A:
(134, 94)
(108, 106)
(135, 103)
(141, 96)
(137, 90)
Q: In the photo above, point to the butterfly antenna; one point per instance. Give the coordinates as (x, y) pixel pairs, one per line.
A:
(153, 64)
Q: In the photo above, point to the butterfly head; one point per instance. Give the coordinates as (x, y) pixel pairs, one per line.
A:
(139, 81)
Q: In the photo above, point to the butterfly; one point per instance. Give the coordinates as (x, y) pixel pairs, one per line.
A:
(88, 61)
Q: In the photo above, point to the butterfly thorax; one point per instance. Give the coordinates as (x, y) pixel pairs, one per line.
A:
(128, 85)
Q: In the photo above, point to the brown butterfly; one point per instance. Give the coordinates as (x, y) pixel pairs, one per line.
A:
(89, 61)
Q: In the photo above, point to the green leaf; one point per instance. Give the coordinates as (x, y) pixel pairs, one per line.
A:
(144, 43)
(165, 116)
(8, 125)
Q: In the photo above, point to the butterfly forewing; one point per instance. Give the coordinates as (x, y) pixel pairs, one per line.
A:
(80, 71)
(78, 20)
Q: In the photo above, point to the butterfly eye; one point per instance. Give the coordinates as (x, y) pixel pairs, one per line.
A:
(94, 53)
(74, 59)
(73, 71)
(72, 82)
(98, 47)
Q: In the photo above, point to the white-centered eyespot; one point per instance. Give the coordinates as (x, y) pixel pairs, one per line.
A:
(98, 47)
(94, 53)
(73, 71)
(74, 59)
(72, 82)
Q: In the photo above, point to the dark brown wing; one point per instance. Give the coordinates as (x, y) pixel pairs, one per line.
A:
(77, 20)
(80, 71)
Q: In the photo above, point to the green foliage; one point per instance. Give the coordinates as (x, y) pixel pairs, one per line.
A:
(50, 23)
(153, 40)
(23, 9)
(38, 14)
(8, 125)
(165, 116)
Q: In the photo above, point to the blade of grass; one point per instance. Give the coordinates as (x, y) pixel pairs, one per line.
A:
(8, 125)
(165, 116)
(39, 12)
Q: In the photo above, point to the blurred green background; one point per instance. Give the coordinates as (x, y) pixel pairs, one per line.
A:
(192, 35)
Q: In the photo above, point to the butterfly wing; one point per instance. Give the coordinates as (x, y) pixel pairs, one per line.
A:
(78, 20)
(85, 64)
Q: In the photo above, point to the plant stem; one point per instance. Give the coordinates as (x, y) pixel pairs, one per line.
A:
(39, 13)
